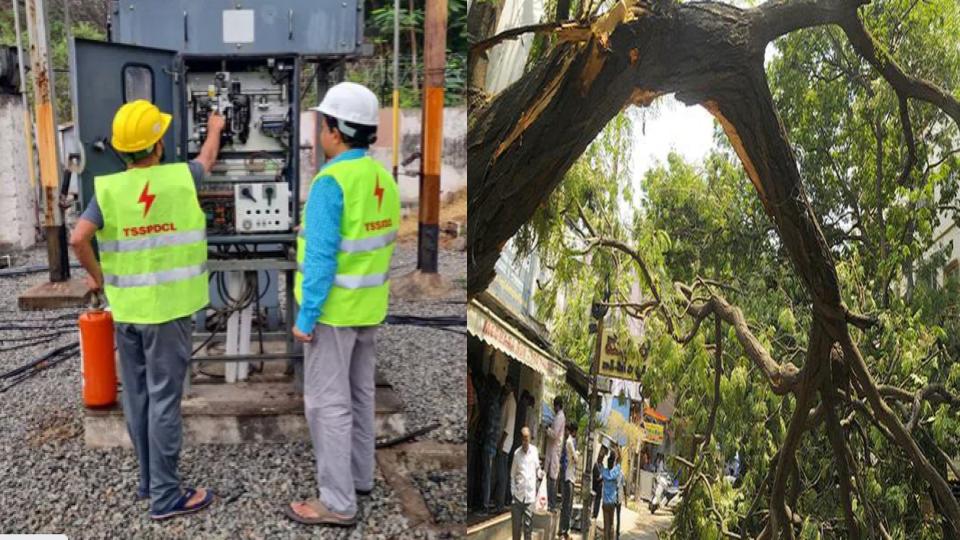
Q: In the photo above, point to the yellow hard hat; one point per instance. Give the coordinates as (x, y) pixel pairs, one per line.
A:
(138, 125)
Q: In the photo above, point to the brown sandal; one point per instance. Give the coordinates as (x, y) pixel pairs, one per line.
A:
(324, 516)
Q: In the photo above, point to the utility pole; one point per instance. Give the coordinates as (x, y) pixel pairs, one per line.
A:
(27, 122)
(598, 311)
(46, 121)
(396, 89)
(434, 63)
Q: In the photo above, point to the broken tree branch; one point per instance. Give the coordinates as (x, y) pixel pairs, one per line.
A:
(572, 31)
(866, 46)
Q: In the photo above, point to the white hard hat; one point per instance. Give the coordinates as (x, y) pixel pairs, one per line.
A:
(351, 102)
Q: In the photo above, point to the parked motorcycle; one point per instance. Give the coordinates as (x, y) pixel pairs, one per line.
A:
(665, 493)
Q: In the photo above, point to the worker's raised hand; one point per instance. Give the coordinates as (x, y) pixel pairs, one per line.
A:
(215, 123)
(300, 336)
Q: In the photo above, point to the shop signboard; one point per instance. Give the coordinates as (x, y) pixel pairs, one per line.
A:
(494, 331)
(653, 432)
(613, 360)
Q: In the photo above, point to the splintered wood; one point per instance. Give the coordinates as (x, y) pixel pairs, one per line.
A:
(598, 35)
(530, 115)
(738, 146)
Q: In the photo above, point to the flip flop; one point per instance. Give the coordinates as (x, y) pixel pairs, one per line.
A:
(326, 517)
(181, 507)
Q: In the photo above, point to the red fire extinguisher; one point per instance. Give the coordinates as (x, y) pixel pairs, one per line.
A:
(97, 365)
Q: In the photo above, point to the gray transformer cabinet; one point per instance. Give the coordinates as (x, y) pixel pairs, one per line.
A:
(223, 27)
(242, 59)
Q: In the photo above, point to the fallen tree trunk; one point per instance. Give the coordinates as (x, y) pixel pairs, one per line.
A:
(522, 143)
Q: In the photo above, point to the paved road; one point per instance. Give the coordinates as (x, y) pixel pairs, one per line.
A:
(640, 525)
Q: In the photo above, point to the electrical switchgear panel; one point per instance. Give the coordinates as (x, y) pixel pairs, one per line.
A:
(261, 207)
(248, 189)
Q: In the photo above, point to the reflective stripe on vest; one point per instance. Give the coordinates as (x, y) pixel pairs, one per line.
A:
(154, 278)
(362, 244)
(360, 282)
(152, 246)
(367, 244)
(347, 281)
(160, 240)
(368, 233)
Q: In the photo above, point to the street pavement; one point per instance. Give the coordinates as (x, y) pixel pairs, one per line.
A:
(637, 525)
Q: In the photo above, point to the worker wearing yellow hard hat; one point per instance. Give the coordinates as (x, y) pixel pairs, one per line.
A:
(137, 126)
(151, 234)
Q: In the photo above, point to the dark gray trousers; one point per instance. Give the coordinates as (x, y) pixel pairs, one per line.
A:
(153, 362)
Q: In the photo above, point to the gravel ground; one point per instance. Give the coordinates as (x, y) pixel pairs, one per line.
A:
(440, 491)
(51, 483)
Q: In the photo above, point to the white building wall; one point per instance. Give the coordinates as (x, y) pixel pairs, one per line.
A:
(948, 236)
(508, 59)
(453, 169)
(17, 199)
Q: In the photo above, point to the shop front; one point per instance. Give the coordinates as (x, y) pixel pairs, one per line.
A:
(503, 351)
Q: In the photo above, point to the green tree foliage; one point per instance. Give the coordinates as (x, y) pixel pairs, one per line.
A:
(702, 222)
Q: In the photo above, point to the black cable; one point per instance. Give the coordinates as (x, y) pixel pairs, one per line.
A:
(48, 361)
(27, 345)
(35, 337)
(45, 327)
(45, 357)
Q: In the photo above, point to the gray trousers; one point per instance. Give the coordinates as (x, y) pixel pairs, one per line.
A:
(153, 362)
(551, 493)
(521, 518)
(338, 396)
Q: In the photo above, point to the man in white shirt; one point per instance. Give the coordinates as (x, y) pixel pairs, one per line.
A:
(570, 476)
(554, 441)
(523, 477)
(508, 418)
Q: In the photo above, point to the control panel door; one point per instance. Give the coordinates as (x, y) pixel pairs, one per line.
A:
(103, 77)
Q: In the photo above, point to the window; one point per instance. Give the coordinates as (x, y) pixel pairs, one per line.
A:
(137, 83)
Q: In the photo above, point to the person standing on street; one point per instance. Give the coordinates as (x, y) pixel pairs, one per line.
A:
(492, 440)
(570, 475)
(344, 247)
(597, 485)
(620, 498)
(523, 477)
(152, 238)
(554, 443)
(611, 478)
(508, 418)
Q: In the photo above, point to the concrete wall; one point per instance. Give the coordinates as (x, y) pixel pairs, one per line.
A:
(453, 173)
(17, 199)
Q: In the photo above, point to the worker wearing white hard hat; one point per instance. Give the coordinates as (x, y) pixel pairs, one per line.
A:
(344, 246)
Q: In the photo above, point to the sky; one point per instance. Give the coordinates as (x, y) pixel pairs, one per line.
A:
(672, 126)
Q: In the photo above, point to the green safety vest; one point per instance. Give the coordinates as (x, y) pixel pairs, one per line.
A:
(368, 230)
(153, 244)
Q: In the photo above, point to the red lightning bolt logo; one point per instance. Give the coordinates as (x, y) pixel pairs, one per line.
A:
(146, 198)
(378, 193)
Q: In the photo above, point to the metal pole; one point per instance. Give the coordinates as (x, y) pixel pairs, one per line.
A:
(27, 122)
(434, 56)
(396, 88)
(586, 513)
(46, 118)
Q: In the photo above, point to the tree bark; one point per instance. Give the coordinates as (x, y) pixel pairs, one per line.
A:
(481, 24)
(522, 143)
